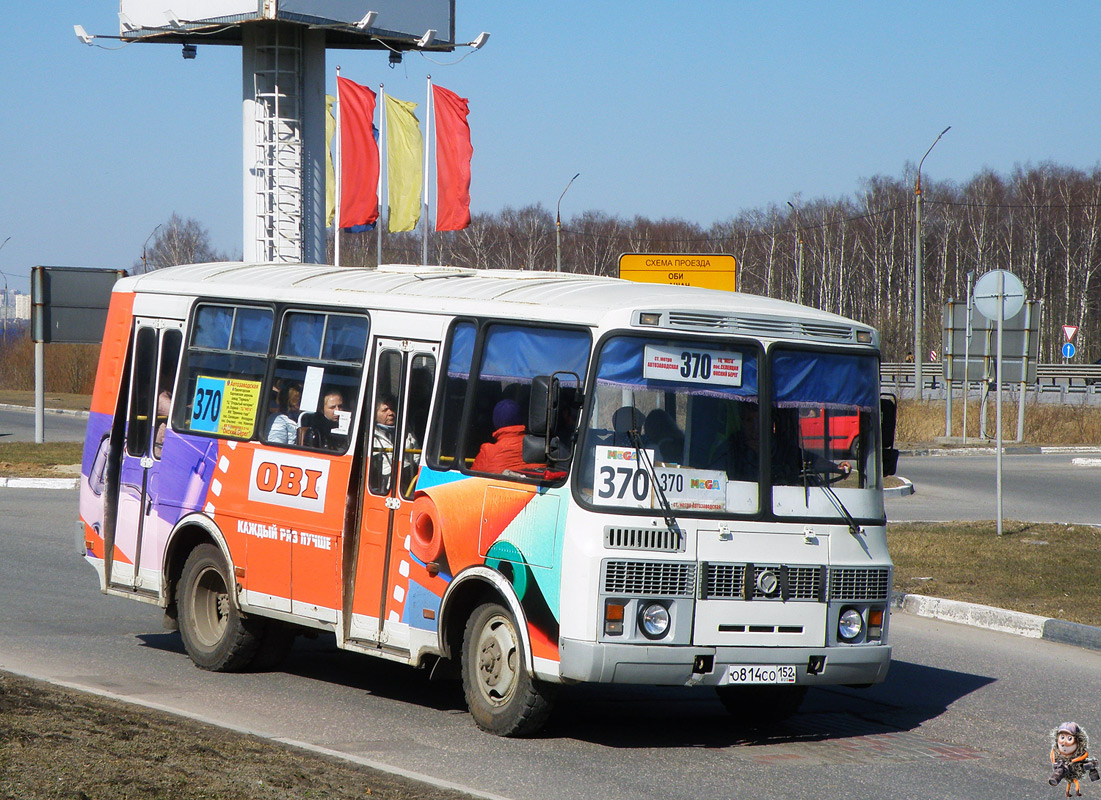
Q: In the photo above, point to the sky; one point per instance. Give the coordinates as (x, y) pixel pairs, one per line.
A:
(696, 111)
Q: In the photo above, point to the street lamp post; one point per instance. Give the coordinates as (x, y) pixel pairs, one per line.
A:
(6, 298)
(558, 223)
(918, 298)
(798, 257)
(144, 268)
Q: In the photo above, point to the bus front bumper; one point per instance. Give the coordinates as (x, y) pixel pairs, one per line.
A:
(598, 662)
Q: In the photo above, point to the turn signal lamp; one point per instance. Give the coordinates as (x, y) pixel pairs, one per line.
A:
(875, 623)
(613, 618)
(649, 318)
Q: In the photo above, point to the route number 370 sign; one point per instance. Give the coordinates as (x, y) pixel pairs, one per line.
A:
(694, 365)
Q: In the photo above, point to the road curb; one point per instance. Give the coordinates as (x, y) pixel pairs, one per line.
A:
(905, 490)
(1031, 626)
(68, 412)
(39, 483)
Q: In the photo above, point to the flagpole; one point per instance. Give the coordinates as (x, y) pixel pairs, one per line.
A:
(427, 150)
(336, 178)
(381, 171)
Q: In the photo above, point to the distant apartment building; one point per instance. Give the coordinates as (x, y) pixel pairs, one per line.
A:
(14, 305)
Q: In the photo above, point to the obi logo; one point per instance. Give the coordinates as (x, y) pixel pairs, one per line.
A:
(286, 479)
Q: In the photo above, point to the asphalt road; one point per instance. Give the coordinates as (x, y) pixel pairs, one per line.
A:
(1036, 488)
(965, 713)
(18, 426)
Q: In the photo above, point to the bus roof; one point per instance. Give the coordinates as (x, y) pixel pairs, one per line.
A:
(566, 297)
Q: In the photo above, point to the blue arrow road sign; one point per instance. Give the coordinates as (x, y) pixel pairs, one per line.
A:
(1068, 350)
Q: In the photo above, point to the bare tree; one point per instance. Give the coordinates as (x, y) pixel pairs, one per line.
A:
(178, 241)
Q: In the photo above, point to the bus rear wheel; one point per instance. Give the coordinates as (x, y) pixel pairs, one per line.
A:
(500, 692)
(214, 633)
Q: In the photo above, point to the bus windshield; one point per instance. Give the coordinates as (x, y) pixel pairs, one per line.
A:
(825, 433)
(693, 410)
(684, 406)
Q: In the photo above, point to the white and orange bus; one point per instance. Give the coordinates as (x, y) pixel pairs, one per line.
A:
(526, 479)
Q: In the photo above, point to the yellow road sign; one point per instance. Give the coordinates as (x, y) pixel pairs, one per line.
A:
(704, 270)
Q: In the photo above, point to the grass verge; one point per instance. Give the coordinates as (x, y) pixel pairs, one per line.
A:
(69, 402)
(1044, 569)
(46, 460)
(57, 743)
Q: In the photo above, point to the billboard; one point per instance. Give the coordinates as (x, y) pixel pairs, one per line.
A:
(69, 304)
(217, 21)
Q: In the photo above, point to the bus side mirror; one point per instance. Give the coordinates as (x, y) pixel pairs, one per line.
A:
(548, 399)
(888, 414)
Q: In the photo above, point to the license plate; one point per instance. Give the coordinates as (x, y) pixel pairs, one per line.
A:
(762, 674)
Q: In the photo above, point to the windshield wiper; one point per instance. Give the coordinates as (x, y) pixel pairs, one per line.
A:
(810, 471)
(644, 459)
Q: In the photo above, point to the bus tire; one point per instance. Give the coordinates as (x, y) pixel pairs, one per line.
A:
(501, 694)
(761, 706)
(214, 633)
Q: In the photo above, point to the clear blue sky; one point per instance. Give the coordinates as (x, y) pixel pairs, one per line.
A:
(692, 110)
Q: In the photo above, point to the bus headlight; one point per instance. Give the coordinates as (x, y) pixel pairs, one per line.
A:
(850, 624)
(653, 620)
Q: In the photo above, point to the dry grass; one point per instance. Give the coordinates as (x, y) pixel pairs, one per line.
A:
(46, 460)
(25, 398)
(1044, 569)
(1046, 424)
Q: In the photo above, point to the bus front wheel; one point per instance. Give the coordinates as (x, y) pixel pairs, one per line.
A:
(502, 695)
(214, 633)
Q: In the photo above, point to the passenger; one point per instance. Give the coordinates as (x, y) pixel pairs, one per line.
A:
(284, 427)
(663, 435)
(317, 429)
(505, 451)
(382, 458)
(164, 408)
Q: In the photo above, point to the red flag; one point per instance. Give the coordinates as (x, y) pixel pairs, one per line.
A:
(358, 155)
(453, 152)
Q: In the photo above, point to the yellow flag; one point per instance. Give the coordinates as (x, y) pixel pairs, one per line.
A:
(330, 173)
(404, 164)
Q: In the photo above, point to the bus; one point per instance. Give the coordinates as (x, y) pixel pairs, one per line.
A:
(520, 480)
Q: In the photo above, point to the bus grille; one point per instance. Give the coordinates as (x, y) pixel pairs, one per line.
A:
(727, 582)
(652, 578)
(856, 583)
(660, 540)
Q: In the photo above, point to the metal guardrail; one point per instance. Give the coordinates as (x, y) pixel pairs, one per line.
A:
(932, 373)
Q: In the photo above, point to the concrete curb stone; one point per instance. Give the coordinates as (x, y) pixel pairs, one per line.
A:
(1031, 626)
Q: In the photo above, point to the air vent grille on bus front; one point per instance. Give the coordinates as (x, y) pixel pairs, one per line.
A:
(658, 540)
(727, 582)
(651, 578)
(760, 326)
(856, 583)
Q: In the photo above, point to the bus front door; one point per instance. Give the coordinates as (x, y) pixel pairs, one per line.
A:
(154, 357)
(397, 415)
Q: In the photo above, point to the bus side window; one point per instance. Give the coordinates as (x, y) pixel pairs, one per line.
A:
(171, 343)
(419, 392)
(447, 431)
(315, 386)
(385, 422)
(219, 390)
(139, 419)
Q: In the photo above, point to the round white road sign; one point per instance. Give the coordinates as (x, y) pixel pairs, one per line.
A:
(999, 287)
